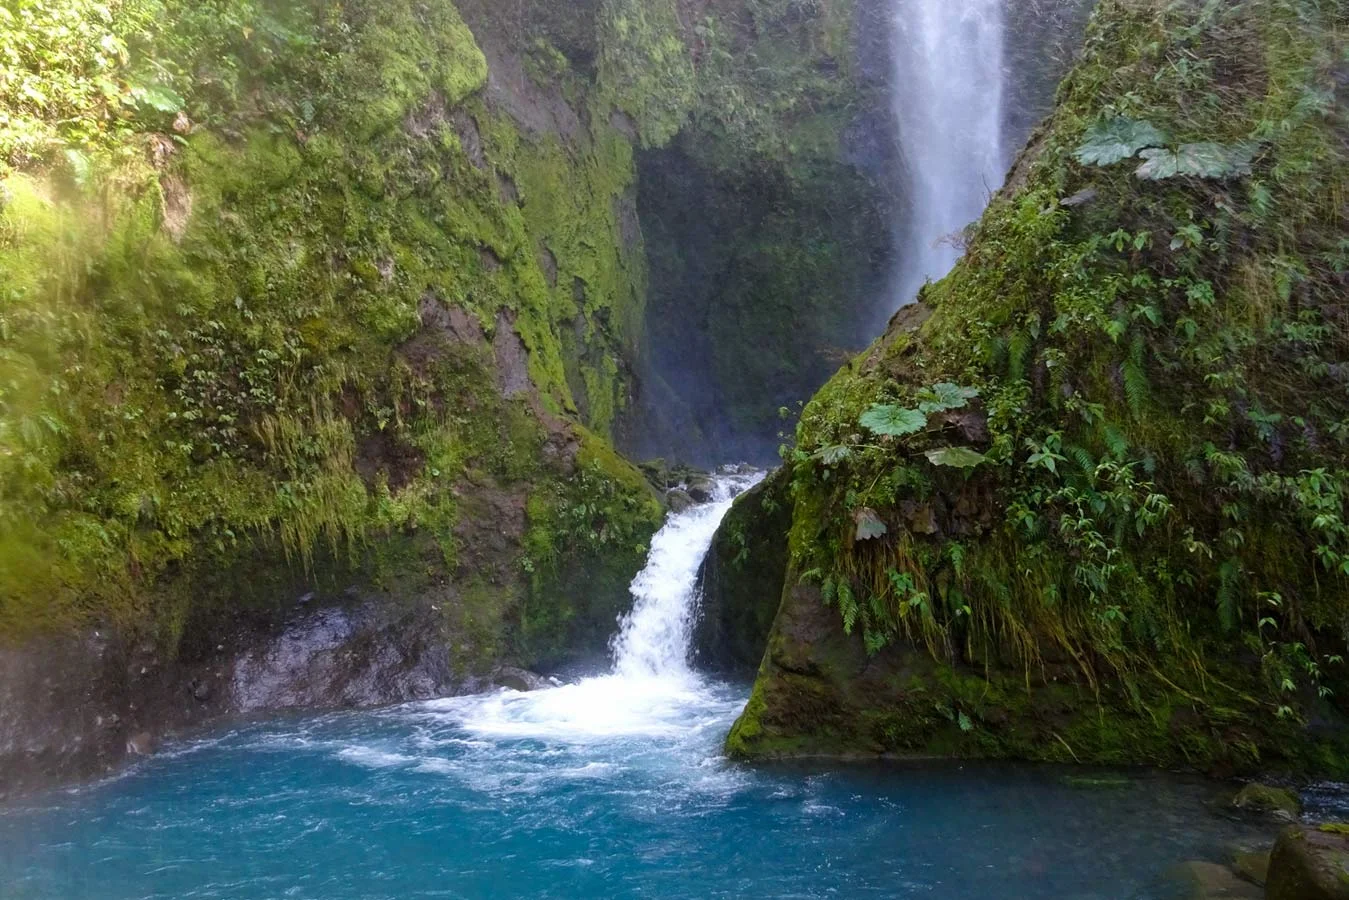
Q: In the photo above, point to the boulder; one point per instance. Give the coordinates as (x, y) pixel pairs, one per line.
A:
(1310, 863)
(521, 680)
(678, 500)
(701, 488)
(1277, 802)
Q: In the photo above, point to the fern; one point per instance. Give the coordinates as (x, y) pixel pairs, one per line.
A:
(1136, 387)
(1115, 442)
(1018, 349)
(1229, 601)
(847, 605)
(1080, 455)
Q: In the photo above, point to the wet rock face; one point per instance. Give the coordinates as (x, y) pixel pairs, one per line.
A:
(62, 703)
(741, 580)
(76, 707)
(344, 658)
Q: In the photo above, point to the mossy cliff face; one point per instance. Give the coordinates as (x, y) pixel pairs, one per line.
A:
(322, 301)
(1086, 500)
(769, 219)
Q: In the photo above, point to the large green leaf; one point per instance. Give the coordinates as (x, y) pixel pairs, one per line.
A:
(894, 421)
(959, 457)
(869, 525)
(1204, 160)
(833, 454)
(944, 396)
(1112, 140)
(159, 98)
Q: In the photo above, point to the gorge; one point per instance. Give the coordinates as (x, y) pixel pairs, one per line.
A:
(352, 357)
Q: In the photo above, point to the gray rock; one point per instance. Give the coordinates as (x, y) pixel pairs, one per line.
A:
(141, 744)
(517, 679)
(679, 500)
(701, 488)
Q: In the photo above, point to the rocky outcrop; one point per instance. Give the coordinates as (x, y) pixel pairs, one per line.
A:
(76, 707)
(1071, 506)
(370, 354)
(1310, 863)
(740, 583)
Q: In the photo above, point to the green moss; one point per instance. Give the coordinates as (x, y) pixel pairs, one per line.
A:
(587, 537)
(1156, 519)
(237, 355)
(645, 66)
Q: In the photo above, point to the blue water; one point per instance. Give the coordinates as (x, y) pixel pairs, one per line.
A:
(568, 794)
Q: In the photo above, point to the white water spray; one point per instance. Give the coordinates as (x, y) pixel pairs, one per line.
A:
(650, 692)
(653, 639)
(948, 101)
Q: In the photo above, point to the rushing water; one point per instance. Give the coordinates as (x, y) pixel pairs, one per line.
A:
(948, 102)
(612, 786)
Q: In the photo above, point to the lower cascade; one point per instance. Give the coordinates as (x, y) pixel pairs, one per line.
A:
(651, 691)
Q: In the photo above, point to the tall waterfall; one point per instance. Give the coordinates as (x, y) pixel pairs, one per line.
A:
(948, 102)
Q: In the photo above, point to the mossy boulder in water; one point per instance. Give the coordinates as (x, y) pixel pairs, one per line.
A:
(740, 584)
(1262, 798)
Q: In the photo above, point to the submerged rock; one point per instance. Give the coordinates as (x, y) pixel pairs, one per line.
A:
(1253, 865)
(1310, 864)
(1203, 880)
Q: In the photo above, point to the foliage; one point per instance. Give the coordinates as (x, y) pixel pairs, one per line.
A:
(256, 320)
(1206, 160)
(1115, 139)
(1158, 442)
(889, 420)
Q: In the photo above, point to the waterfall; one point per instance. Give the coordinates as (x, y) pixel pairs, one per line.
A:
(653, 639)
(948, 103)
(650, 692)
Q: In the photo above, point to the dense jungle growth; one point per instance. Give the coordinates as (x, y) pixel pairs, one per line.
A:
(1085, 500)
(289, 288)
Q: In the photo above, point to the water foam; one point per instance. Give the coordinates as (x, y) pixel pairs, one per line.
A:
(651, 692)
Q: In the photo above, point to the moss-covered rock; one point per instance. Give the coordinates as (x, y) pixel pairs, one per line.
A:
(1309, 863)
(740, 583)
(333, 303)
(1263, 798)
(1086, 501)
